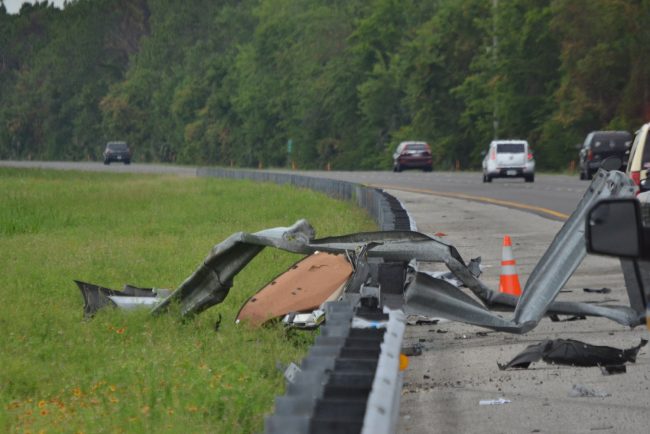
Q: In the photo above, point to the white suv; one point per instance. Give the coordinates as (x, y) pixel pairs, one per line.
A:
(509, 159)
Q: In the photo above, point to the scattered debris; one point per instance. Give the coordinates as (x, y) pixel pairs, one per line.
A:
(597, 291)
(574, 353)
(499, 401)
(613, 369)
(291, 372)
(413, 350)
(556, 318)
(309, 320)
(581, 391)
(421, 294)
(421, 320)
(96, 297)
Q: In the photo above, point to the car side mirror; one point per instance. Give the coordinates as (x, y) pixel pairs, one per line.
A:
(483, 153)
(578, 146)
(614, 228)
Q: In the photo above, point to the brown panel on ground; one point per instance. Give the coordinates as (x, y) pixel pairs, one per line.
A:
(303, 287)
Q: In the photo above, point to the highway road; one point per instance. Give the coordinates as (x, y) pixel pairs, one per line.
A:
(550, 196)
(458, 367)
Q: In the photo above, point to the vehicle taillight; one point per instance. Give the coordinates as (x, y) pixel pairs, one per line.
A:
(493, 154)
(530, 156)
(590, 155)
(636, 177)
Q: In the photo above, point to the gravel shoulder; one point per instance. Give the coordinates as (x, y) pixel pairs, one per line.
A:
(458, 368)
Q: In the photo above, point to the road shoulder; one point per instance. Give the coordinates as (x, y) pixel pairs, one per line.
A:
(458, 368)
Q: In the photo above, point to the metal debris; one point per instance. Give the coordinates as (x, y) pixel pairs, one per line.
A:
(291, 372)
(397, 253)
(131, 297)
(499, 401)
(413, 350)
(431, 297)
(307, 321)
(210, 283)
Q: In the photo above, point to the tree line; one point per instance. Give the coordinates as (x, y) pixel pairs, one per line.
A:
(317, 83)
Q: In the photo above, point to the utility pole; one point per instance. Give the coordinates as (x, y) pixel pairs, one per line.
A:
(495, 44)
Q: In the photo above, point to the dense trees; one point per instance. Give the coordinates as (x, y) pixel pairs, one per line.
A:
(233, 82)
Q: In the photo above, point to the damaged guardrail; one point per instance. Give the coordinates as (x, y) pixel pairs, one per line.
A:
(385, 266)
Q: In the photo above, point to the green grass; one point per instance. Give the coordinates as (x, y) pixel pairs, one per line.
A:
(128, 371)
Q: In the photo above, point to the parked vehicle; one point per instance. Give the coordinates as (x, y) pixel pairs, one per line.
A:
(638, 162)
(509, 159)
(412, 155)
(117, 151)
(599, 145)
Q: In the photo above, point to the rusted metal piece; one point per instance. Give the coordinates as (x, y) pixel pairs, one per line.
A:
(304, 287)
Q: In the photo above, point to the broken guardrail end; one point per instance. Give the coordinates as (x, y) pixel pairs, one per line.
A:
(574, 353)
(97, 297)
(211, 281)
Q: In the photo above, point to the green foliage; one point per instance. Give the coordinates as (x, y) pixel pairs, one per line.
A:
(128, 371)
(230, 82)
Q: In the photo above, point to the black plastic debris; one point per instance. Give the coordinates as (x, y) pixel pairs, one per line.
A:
(614, 369)
(573, 353)
(597, 291)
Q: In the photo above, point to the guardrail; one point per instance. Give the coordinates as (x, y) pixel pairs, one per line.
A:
(350, 381)
(384, 208)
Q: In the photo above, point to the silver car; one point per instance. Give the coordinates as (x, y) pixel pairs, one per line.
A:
(509, 159)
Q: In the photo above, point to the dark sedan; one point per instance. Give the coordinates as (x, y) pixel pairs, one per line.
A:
(117, 151)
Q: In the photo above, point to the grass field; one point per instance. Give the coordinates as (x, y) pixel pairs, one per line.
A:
(127, 371)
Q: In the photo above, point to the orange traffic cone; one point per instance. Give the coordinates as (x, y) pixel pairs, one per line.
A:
(509, 280)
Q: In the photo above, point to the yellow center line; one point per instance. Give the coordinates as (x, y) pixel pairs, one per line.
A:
(505, 203)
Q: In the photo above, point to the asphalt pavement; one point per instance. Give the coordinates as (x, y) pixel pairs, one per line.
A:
(458, 368)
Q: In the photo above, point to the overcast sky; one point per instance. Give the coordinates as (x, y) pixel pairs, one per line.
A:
(13, 6)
